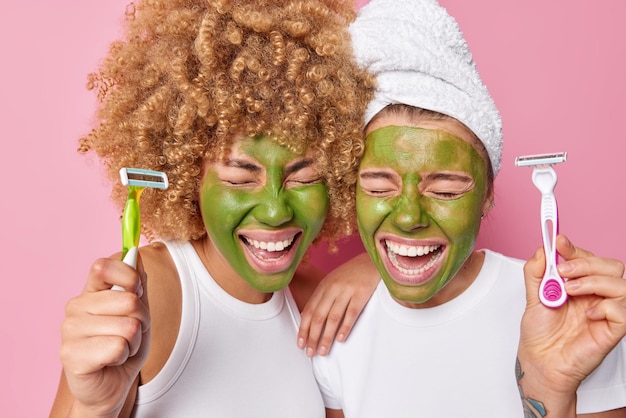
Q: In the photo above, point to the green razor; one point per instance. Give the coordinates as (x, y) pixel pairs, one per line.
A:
(137, 180)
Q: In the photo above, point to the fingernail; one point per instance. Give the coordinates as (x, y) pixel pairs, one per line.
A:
(322, 350)
(572, 284)
(301, 342)
(566, 267)
(309, 352)
(139, 290)
(341, 337)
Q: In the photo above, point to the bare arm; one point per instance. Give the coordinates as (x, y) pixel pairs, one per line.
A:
(560, 406)
(334, 413)
(64, 402)
(615, 413)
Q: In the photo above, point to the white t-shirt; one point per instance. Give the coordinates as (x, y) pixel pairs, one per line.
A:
(453, 360)
(231, 359)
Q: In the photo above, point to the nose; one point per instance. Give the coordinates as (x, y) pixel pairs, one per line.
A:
(273, 209)
(408, 213)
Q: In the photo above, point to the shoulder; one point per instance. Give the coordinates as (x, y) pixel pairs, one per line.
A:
(165, 302)
(156, 255)
(503, 263)
(162, 276)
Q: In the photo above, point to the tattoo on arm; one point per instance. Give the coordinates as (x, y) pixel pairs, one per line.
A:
(532, 408)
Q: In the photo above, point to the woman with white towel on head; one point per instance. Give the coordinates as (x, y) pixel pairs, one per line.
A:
(441, 335)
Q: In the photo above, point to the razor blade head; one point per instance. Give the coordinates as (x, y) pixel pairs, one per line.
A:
(143, 178)
(541, 159)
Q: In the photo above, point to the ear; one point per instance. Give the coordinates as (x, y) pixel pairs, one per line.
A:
(488, 203)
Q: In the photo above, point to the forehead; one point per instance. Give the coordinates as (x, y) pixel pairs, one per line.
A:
(260, 151)
(418, 149)
(446, 124)
(264, 149)
(259, 145)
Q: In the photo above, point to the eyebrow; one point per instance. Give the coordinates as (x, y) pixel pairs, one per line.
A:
(244, 165)
(289, 169)
(298, 165)
(447, 176)
(375, 175)
(427, 177)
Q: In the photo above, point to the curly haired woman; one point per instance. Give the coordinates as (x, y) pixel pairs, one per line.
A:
(254, 112)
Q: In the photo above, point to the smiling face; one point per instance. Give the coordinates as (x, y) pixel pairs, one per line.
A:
(262, 208)
(421, 191)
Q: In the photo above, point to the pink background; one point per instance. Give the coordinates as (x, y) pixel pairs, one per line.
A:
(556, 72)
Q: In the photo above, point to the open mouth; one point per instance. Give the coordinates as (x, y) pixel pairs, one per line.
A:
(270, 255)
(269, 246)
(411, 264)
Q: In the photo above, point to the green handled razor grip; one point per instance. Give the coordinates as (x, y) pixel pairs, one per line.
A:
(131, 220)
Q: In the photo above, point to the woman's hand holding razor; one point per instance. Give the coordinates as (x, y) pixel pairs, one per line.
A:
(560, 347)
(106, 338)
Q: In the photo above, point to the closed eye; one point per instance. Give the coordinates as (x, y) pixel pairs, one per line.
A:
(446, 186)
(239, 173)
(379, 183)
(238, 183)
(301, 173)
(295, 182)
(446, 195)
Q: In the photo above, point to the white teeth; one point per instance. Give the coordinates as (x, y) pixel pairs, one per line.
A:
(410, 250)
(412, 272)
(393, 250)
(270, 246)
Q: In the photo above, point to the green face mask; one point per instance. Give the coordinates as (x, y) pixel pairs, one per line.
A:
(420, 197)
(262, 209)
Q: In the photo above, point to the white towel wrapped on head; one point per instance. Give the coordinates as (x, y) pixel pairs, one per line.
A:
(420, 58)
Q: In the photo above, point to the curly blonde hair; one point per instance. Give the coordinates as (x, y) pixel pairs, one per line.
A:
(190, 74)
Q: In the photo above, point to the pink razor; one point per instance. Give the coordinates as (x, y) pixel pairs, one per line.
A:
(552, 289)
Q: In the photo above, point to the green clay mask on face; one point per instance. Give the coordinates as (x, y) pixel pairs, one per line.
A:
(262, 208)
(420, 196)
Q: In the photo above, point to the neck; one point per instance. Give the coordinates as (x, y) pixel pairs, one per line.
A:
(461, 281)
(225, 276)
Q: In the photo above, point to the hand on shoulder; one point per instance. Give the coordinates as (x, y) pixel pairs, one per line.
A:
(334, 307)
